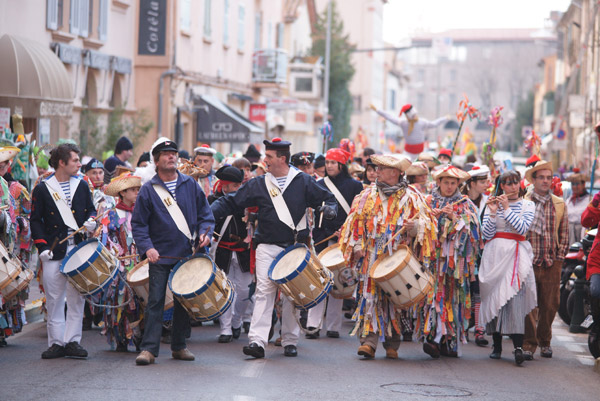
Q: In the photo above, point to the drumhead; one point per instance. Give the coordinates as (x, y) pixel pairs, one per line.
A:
(80, 256)
(331, 257)
(288, 263)
(390, 263)
(139, 274)
(192, 275)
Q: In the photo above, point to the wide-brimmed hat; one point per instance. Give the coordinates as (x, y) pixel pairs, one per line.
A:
(121, 183)
(539, 165)
(429, 159)
(399, 162)
(8, 152)
(452, 172)
(418, 168)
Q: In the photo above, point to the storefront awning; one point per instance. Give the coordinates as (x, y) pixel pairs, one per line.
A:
(217, 122)
(29, 70)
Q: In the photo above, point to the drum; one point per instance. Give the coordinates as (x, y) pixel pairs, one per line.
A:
(90, 267)
(201, 287)
(344, 277)
(402, 278)
(301, 277)
(139, 280)
(14, 277)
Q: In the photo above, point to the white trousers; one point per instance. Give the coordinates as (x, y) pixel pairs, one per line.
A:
(266, 290)
(240, 281)
(61, 331)
(333, 319)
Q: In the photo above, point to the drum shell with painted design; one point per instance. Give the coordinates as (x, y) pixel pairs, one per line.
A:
(301, 277)
(17, 284)
(332, 258)
(139, 280)
(201, 288)
(12, 275)
(402, 278)
(90, 267)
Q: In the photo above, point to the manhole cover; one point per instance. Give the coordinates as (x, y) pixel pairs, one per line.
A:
(428, 390)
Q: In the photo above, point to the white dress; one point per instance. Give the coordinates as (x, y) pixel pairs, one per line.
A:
(506, 278)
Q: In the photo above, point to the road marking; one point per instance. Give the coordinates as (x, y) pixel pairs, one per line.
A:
(587, 360)
(565, 338)
(243, 398)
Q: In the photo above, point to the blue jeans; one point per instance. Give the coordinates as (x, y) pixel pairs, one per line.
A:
(159, 276)
(595, 285)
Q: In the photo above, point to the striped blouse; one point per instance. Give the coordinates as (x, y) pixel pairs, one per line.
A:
(513, 220)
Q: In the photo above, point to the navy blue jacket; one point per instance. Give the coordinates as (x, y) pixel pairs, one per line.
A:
(153, 226)
(47, 224)
(349, 188)
(301, 193)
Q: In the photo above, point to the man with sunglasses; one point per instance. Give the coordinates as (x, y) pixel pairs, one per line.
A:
(549, 238)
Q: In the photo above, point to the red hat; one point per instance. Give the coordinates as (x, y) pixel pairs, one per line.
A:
(337, 154)
(532, 160)
(445, 152)
(405, 108)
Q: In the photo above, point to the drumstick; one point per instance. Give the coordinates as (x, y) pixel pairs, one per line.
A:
(401, 231)
(326, 239)
(321, 217)
(135, 255)
(198, 246)
(171, 257)
(54, 243)
(81, 228)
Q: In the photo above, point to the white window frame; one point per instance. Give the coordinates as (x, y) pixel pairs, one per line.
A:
(225, 22)
(185, 15)
(207, 19)
(241, 39)
(52, 14)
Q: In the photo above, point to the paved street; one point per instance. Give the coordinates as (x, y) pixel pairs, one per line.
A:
(326, 369)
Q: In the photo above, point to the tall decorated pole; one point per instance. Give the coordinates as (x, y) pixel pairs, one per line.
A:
(489, 148)
(465, 109)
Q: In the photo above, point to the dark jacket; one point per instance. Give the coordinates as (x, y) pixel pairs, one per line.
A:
(153, 226)
(232, 240)
(349, 188)
(301, 193)
(47, 224)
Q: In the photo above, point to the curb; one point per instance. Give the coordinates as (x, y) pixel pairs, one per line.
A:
(33, 311)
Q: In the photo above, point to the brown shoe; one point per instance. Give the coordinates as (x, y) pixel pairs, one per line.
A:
(183, 355)
(391, 353)
(144, 358)
(367, 351)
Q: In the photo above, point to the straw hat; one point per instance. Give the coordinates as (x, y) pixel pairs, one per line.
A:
(399, 162)
(418, 168)
(8, 152)
(121, 183)
(577, 176)
(429, 159)
(453, 172)
(539, 165)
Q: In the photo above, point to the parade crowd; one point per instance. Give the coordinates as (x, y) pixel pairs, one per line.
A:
(410, 247)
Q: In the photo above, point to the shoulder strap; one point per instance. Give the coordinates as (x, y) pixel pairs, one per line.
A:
(215, 243)
(338, 195)
(63, 208)
(281, 208)
(174, 211)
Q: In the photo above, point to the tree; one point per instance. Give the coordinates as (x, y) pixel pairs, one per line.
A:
(341, 70)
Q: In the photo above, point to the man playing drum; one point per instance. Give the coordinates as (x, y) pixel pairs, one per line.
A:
(344, 188)
(459, 241)
(170, 218)
(383, 216)
(282, 196)
(61, 204)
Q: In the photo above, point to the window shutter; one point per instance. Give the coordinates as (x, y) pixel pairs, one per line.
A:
(103, 20)
(185, 15)
(241, 29)
(52, 14)
(74, 17)
(207, 12)
(226, 22)
(279, 39)
(84, 17)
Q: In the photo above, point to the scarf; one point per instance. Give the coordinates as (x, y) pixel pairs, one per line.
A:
(411, 124)
(578, 198)
(539, 220)
(123, 206)
(441, 201)
(389, 190)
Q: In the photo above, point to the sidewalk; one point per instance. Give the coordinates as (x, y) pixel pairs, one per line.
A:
(33, 305)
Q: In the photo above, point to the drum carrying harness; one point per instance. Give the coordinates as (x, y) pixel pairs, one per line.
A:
(175, 212)
(281, 208)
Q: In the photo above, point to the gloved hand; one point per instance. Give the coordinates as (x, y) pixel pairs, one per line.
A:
(328, 212)
(596, 200)
(46, 256)
(90, 225)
